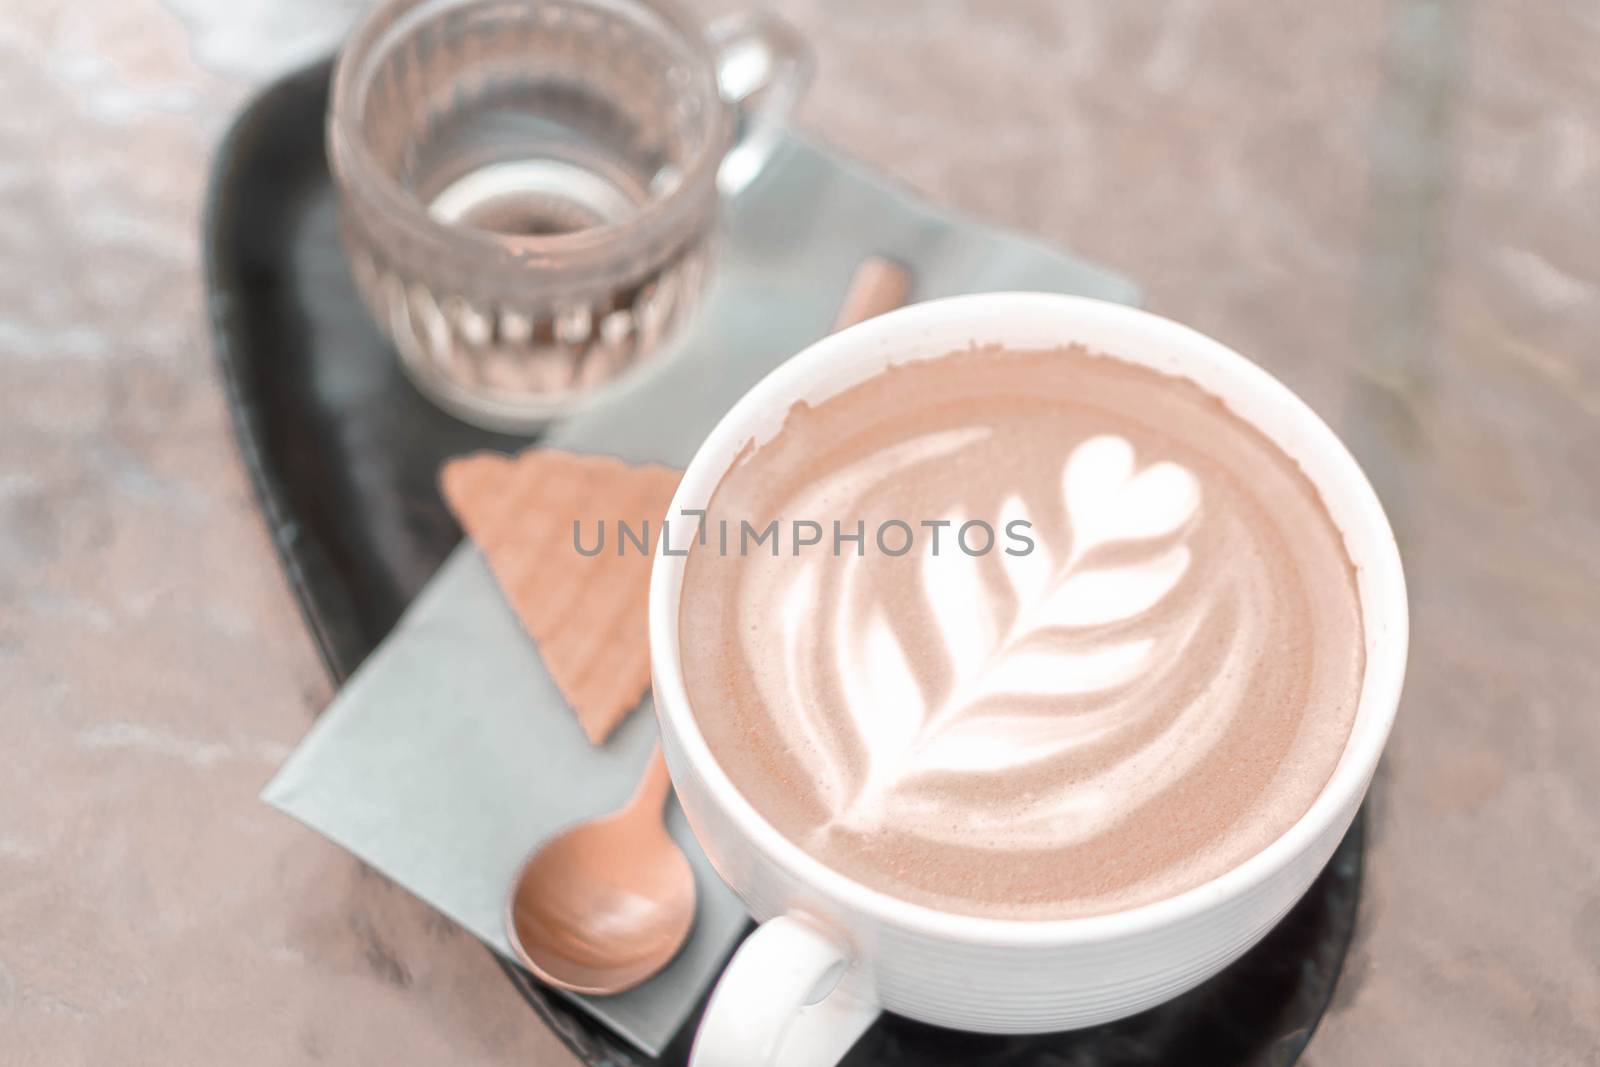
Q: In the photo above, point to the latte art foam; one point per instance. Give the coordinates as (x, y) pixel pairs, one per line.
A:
(1148, 696)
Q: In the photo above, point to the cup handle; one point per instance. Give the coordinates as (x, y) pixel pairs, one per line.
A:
(779, 1002)
(763, 67)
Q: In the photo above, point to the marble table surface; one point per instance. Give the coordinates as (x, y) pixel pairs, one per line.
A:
(1394, 206)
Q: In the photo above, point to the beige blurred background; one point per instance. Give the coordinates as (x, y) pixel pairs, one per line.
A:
(1392, 204)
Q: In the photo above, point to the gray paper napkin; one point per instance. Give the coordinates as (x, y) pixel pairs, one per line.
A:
(450, 754)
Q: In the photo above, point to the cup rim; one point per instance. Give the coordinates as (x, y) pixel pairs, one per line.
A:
(1382, 678)
(385, 25)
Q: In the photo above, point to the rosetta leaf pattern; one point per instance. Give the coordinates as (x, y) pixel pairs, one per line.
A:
(998, 669)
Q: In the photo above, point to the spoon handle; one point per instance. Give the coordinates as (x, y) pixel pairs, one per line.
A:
(878, 285)
(655, 786)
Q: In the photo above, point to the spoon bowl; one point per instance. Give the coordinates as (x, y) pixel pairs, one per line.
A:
(608, 903)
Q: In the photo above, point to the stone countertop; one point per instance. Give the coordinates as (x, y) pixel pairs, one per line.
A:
(1394, 206)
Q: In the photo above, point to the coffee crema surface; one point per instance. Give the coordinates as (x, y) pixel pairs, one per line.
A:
(1145, 676)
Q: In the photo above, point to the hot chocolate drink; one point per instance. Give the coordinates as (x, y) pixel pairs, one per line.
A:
(1024, 634)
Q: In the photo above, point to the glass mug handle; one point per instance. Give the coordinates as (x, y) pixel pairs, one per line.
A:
(763, 67)
(779, 1003)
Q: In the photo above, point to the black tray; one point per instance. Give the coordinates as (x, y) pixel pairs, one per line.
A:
(343, 453)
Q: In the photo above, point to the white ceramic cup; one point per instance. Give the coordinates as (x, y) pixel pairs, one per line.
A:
(831, 953)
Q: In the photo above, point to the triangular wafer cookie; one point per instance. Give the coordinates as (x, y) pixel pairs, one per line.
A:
(586, 613)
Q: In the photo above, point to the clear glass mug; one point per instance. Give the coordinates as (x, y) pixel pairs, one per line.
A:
(528, 189)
